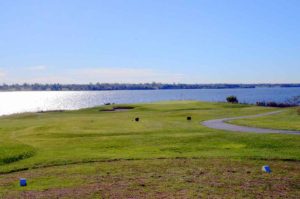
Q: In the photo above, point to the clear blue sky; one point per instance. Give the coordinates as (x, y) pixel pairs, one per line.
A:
(188, 41)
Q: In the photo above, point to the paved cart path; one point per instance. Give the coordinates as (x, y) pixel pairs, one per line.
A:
(222, 125)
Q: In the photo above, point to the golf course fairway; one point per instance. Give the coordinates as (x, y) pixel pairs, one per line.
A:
(103, 152)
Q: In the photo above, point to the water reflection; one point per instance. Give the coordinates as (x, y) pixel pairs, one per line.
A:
(18, 102)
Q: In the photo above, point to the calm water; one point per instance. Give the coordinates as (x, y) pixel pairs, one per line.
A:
(18, 102)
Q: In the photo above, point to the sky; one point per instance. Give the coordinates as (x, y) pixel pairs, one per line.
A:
(136, 41)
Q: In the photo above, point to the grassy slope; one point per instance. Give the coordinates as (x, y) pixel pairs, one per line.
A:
(289, 119)
(45, 139)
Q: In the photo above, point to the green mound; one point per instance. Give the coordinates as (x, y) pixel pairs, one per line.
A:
(34, 140)
(12, 151)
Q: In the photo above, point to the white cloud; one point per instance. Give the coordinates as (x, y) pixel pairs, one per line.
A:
(37, 68)
(93, 75)
(2, 74)
(43, 74)
(51, 79)
(125, 75)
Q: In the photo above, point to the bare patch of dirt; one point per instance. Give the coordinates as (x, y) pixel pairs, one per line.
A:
(159, 178)
(52, 111)
(118, 108)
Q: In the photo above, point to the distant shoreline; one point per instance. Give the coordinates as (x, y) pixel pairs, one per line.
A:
(144, 86)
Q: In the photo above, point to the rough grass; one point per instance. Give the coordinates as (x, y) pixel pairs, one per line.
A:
(42, 143)
(287, 120)
(158, 178)
(12, 151)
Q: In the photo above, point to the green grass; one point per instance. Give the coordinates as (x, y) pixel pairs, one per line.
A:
(289, 119)
(40, 141)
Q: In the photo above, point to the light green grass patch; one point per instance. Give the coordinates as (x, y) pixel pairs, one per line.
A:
(289, 119)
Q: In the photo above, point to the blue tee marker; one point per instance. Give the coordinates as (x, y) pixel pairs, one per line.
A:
(266, 169)
(23, 182)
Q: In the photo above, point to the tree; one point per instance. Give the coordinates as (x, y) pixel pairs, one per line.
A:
(232, 99)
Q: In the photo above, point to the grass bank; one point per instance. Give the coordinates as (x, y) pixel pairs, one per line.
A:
(289, 119)
(36, 142)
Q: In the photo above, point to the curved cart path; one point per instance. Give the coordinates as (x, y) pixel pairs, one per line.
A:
(222, 125)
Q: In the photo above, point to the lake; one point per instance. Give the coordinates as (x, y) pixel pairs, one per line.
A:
(19, 102)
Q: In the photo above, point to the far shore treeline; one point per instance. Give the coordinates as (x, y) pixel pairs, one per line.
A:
(124, 86)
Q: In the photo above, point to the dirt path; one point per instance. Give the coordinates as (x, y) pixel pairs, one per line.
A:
(222, 125)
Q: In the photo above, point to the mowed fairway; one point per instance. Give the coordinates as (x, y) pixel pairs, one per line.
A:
(101, 154)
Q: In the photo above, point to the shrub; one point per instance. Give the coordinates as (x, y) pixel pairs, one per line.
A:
(232, 99)
(274, 104)
(294, 100)
(260, 103)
